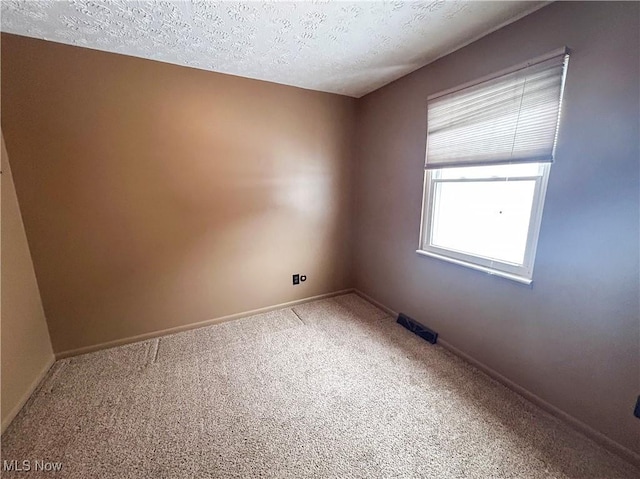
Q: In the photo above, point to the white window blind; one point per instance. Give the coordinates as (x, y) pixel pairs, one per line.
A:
(509, 119)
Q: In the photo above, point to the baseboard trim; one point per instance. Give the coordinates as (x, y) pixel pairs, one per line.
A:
(580, 426)
(187, 327)
(383, 307)
(584, 429)
(27, 394)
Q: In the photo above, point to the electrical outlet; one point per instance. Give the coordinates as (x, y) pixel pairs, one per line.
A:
(296, 279)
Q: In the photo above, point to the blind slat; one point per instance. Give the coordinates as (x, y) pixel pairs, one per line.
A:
(510, 119)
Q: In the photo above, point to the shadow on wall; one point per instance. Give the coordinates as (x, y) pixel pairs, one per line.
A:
(156, 196)
(194, 209)
(481, 403)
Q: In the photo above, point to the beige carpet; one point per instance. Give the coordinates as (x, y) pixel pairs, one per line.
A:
(329, 389)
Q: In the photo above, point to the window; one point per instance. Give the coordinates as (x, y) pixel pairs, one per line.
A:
(490, 146)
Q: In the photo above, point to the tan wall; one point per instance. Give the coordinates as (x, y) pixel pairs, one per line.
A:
(26, 349)
(573, 338)
(155, 196)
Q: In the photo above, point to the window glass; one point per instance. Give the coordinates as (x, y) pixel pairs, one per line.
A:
(489, 219)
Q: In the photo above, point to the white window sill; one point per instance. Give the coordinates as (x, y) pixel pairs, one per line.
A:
(491, 271)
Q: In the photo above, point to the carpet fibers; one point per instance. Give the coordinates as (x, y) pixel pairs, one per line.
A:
(328, 389)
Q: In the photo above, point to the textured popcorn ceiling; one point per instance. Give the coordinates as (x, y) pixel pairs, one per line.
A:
(350, 48)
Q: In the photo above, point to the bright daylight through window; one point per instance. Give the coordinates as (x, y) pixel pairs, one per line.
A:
(490, 146)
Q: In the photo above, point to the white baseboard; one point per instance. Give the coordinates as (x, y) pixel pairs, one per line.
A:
(27, 394)
(187, 327)
(580, 426)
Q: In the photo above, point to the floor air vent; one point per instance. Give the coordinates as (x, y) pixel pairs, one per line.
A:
(417, 328)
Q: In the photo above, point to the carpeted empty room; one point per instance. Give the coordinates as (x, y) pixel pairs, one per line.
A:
(331, 388)
(336, 239)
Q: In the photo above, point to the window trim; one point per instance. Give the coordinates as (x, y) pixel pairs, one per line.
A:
(521, 274)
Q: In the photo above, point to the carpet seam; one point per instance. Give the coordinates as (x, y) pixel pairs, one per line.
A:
(298, 402)
(298, 316)
(155, 345)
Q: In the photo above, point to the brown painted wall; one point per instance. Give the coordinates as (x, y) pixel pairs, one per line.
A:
(26, 349)
(573, 338)
(155, 196)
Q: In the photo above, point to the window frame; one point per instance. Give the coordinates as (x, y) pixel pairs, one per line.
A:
(520, 273)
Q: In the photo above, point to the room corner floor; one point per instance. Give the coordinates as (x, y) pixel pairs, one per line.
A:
(332, 388)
